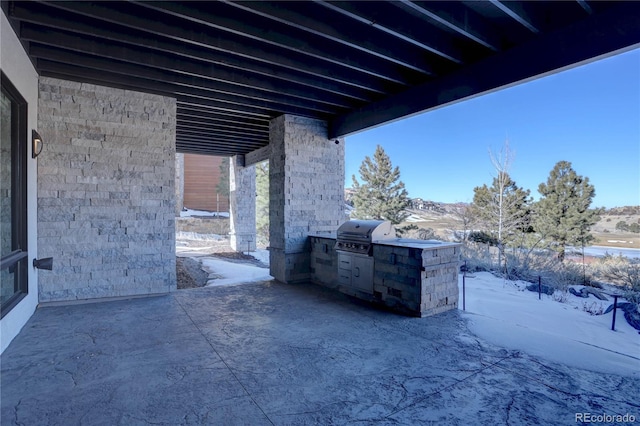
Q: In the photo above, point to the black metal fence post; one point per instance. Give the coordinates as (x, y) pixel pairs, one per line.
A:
(615, 306)
(539, 287)
(464, 275)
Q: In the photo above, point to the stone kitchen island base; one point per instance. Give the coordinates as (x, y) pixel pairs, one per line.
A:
(418, 277)
(414, 277)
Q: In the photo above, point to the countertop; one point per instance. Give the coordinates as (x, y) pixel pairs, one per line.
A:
(414, 243)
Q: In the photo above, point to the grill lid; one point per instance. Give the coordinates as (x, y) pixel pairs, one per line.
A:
(357, 235)
(365, 230)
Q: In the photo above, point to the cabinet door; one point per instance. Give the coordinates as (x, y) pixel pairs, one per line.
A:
(362, 273)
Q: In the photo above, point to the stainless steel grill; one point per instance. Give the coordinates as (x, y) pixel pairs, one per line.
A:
(357, 236)
(354, 245)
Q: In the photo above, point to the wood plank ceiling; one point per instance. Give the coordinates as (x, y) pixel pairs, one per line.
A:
(232, 66)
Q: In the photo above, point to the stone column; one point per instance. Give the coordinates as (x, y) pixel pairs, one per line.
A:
(242, 204)
(306, 189)
(179, 183)
(106, 209)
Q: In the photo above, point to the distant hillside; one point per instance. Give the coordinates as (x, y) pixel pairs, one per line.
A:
(623, 211)
(444, 218)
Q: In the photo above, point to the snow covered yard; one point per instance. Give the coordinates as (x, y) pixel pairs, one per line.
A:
(506, 314)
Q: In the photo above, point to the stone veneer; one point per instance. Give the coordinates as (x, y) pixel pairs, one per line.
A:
(306, 190)
(418, 278)
(242, 205)
(324, 261)
(106, 211)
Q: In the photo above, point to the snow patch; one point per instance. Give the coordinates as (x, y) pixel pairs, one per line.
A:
(194, 236)
(503, 313)
(229, 273)
(261, 254)
(414, 218)
(205, 213)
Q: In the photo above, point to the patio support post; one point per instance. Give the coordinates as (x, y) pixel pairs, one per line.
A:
(242, 205)
(306, 192)
(179, 183)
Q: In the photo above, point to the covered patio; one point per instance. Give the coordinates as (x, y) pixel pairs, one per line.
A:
(106, 93)
(280, 354)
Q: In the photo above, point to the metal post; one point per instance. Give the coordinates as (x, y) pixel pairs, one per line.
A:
(615, 305)
(464, 276)
(584, 271)
(539, 287)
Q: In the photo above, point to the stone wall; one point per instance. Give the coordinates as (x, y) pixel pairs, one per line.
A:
(324, 261)
(417, 281)
(439, 280)
(106, 210)
(306, 189)
(242, 205)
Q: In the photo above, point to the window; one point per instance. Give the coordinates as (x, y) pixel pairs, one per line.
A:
(13, 196)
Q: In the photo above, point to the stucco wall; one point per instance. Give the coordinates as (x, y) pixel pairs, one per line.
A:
(18, 68)
(106, 210)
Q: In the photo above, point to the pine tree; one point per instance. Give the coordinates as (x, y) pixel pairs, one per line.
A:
(563, 216)
(381, 195)
(262, 202)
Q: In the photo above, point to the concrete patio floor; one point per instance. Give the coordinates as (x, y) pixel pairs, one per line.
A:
(270, 353)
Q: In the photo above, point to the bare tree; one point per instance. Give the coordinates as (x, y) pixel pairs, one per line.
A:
(502, 163)
(464, 215)
(503, 208)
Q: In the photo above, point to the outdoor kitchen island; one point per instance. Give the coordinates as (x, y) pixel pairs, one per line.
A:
(414, 277)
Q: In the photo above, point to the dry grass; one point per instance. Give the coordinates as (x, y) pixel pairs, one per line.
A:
(604, 231)
(617, 239)
(442, 223)
(607, 235)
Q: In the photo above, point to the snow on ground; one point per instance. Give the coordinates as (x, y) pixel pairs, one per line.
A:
(194, 236)
(503, 313)
(228, 273)
(631, 253)
(191, 213)
(414, 218)
(262, 255)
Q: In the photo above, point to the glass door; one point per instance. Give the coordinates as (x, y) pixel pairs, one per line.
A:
(13, 211)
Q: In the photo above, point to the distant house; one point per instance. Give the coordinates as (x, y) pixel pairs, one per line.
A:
(201, 175)
(420, 204)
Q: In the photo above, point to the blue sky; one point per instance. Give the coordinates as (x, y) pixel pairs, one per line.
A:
(588, 115)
